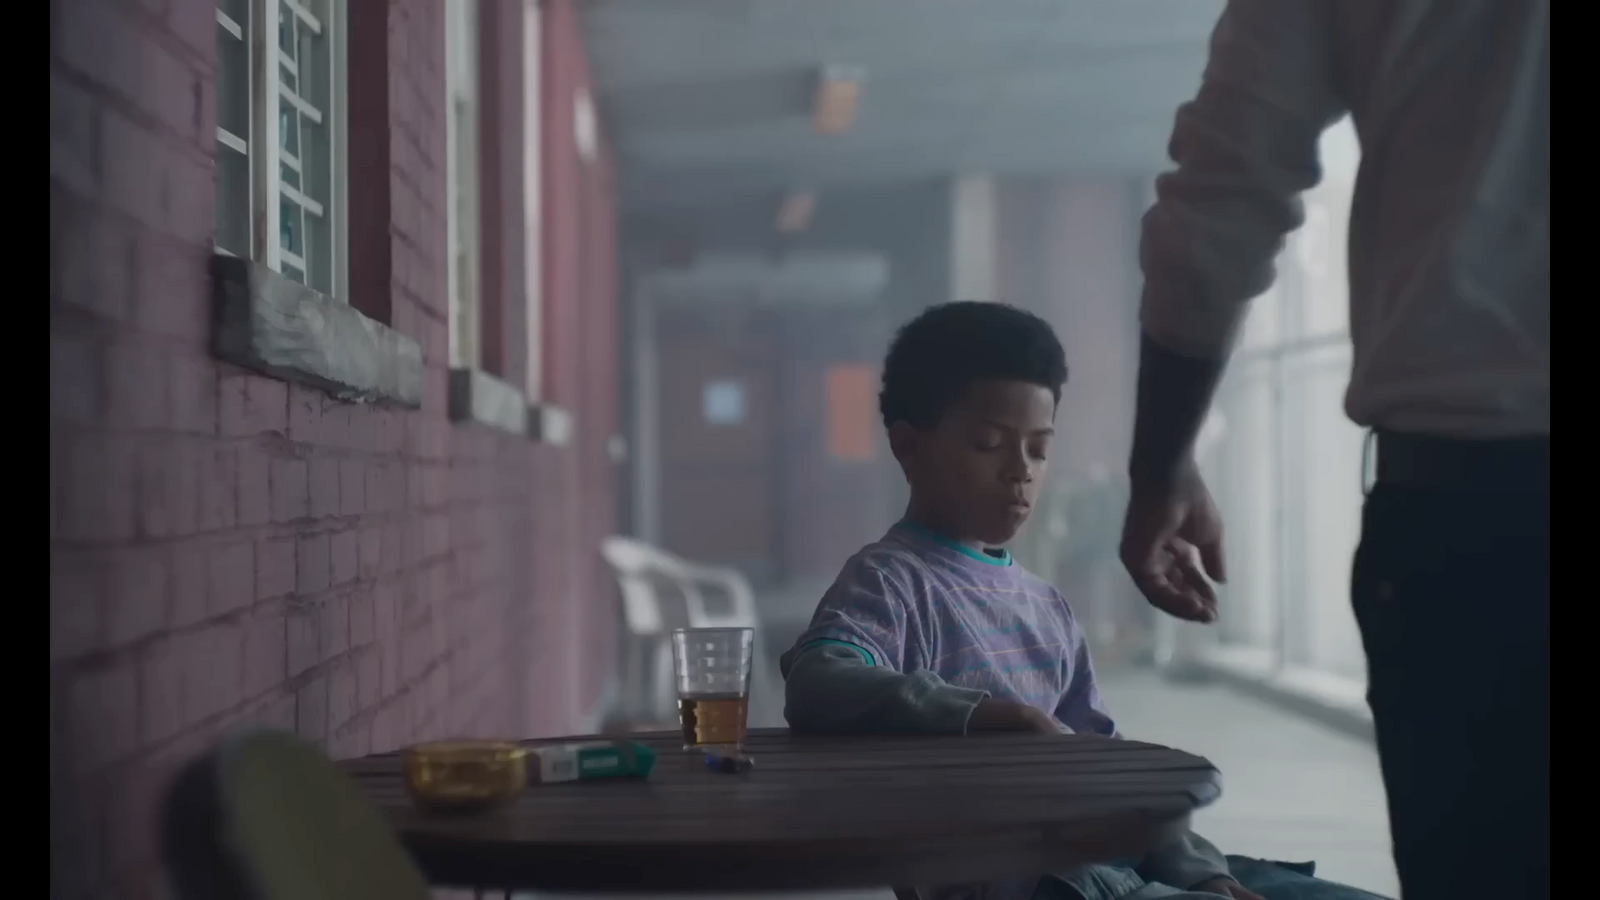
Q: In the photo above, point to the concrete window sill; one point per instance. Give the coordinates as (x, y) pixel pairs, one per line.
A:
(480, 398)
(284, 329)
(549, 424)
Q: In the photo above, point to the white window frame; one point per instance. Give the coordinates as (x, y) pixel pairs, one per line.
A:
(464, 199)
(533, 193)
(262, 146)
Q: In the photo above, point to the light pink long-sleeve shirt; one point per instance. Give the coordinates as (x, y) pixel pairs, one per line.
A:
(1450, 223)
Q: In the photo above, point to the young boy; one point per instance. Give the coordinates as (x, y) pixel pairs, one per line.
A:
(935, 629)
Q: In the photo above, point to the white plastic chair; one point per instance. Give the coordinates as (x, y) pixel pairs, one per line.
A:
(639, 569)
(647, 660)
(742, 601)
(764, 693)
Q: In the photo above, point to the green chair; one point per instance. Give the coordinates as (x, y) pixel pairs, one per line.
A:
(266, 816)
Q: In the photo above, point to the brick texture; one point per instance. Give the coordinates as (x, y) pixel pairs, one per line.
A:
(228, 549)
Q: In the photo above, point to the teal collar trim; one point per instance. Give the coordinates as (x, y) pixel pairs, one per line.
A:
(1000, 557)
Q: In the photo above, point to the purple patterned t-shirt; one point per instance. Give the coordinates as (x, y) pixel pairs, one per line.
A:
(913, 601)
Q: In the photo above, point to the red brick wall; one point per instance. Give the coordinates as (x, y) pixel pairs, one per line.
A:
(766, 495)
(579, 371)
(719, 484)
(227, 548)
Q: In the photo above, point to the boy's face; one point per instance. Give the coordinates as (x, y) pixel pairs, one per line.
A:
(978, 471)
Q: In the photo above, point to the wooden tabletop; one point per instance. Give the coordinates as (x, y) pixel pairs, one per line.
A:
(816, 813)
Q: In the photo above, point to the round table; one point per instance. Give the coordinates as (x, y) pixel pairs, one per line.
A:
(816, 812)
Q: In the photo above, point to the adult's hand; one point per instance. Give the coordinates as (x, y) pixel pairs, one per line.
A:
(1172, 544)
(1007, 715)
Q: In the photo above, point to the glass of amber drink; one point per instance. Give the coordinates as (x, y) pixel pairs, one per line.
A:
(712, 666)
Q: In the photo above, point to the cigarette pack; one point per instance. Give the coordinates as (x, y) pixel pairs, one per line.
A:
(555, 763)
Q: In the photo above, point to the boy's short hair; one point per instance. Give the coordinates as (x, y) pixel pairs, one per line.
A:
(937, 355)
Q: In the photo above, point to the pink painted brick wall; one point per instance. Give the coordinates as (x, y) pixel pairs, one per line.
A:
(226, 548)
(579, 300)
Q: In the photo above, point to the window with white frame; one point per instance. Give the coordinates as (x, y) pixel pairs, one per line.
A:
(280, 137)
(532, 181)
(1288, 474)
(461, 152)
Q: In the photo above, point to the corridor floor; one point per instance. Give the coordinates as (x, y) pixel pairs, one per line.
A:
(1292, 789)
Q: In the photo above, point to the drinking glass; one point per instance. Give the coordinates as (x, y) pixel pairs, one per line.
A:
(712, 669)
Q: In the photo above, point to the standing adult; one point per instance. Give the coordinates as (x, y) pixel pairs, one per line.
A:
(1450, 320)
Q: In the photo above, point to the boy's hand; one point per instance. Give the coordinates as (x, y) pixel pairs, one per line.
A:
(1008, 715)
(1227, 887)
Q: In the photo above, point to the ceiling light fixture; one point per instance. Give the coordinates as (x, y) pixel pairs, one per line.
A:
(838, 92)
(794, 213)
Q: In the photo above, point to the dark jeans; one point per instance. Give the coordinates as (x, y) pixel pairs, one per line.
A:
(1272, 880)
(1452, 592)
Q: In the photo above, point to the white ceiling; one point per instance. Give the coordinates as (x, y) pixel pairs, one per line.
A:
(793, 279)
(709, 101)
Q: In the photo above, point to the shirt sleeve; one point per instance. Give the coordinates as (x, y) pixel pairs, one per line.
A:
(847, 673)
(829, 687)
(865, 609)
(1081, 709)
(1245, 148)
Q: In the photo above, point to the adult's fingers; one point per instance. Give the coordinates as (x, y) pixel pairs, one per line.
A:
(1212, 559)
(1147, 560)
(1142, 548)
(1167, 590)
(1193, 582)
(1173, 580)
(1150, 551)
